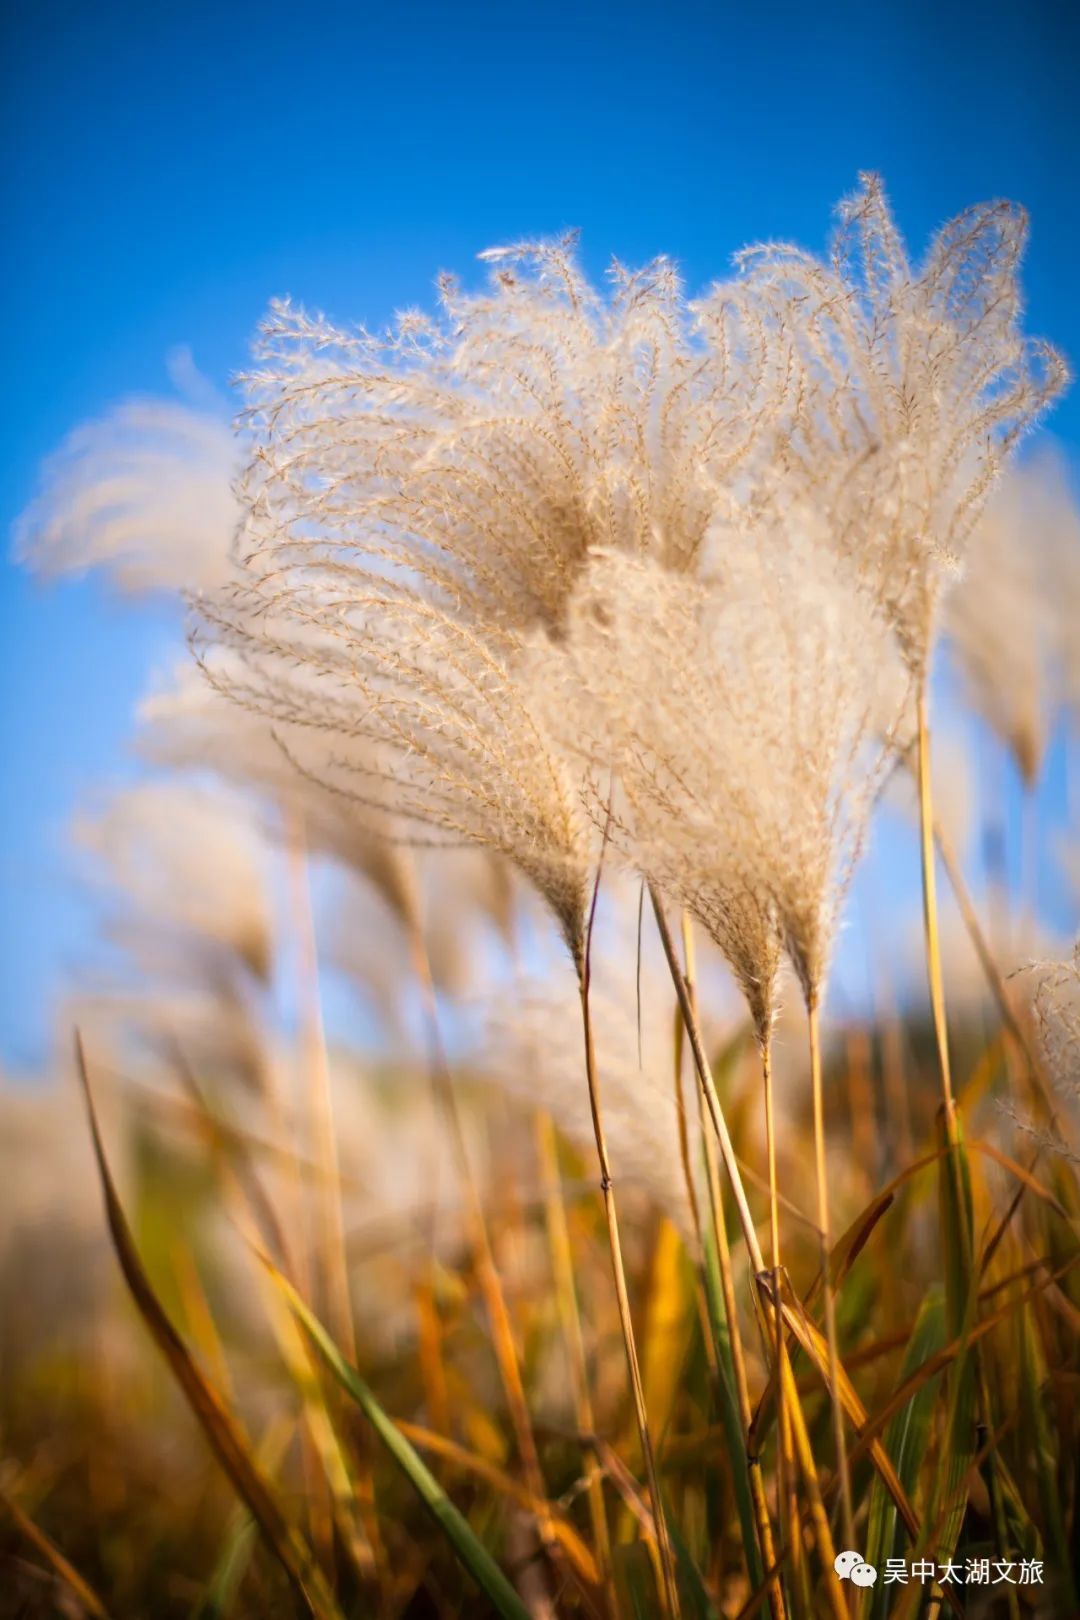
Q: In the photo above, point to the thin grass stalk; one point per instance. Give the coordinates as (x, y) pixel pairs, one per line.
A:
(786, 1492)
(669, 1589)
(803, 1449)
(327, 1470)
(65, 1571)
(699, 1257)
(487, 1276)
(432, 1365)
(763, 1522)
(762, 1519)
(825, 1240)
(330, 1223)
(256, 1213)
(960, 1310)
(992, 973)
(562, 1265)
(930, 916)
(226, 1438)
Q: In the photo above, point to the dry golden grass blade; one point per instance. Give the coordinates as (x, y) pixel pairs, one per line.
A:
(55, 1558)
(844, 1253)
(813, 1342)
(1025, 1177)
(936, 1363)
(471, 1552)
(226, 1441)
(578, 1554)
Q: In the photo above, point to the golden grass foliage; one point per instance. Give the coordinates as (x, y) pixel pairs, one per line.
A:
(441, 1168)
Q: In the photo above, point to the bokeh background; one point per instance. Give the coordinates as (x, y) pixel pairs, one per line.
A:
(169, 169)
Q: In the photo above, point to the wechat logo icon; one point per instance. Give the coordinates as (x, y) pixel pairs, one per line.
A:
(851, 1566)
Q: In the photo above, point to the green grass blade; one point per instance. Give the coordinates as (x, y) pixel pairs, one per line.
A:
(730, 1418)
(906, 1440)
(471, 1552)
(220, 1595)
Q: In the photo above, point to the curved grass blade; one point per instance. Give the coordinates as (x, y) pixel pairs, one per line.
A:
(48, 1549)
(226, 1440)
(471, 1552)
(729, 1411)
(906, 1440)
(577, 1552)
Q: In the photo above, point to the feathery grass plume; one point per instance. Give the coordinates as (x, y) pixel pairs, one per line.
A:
(740, 715)
(1056, 1012)
(1012, 616)
(409, 712)
(187, 904)
(186, 862)
(191, 726)
(418, 503)
(1057, 1016)
(491, 447)
(913, 384)
(143, 492)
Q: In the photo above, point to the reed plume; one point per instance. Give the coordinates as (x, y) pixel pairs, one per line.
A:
(914, 383)
(1011, 617)
(742, 717)
(144, 493)
(419, 505)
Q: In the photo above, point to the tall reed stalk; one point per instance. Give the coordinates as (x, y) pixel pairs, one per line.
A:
(487, 1275)
(766, 1542)
(803, 1449)
(825, 1241)
(562, 1263)
(669, 1594)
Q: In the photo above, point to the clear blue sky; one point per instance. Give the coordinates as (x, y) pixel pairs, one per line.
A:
(168, 168)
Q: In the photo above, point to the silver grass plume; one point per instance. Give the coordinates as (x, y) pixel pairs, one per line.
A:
(143, 492)
(492, 447)
(190, 726)
(1056, 1012)
(1014, 613)
(188, 862)
(186, 904)
(912, 384)
(742, 717)
(408, 711)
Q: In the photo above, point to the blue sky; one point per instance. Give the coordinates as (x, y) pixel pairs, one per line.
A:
(170, 168)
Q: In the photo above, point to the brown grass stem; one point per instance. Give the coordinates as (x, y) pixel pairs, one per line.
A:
(825, 1240)
(562, 1265)
(487, 1274)
(669, 1593)
(762, 1519)
(803, 1448)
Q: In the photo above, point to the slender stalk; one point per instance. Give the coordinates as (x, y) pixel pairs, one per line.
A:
(669, 1594)
(825, 1240)
(487, 1275)
(570, 1316)
(330, 1254)
(763, 1522)
(742, 1388)
(930, 915)
(757, 1260)
(330, 1222)
(994, 977)
(786, 1493)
